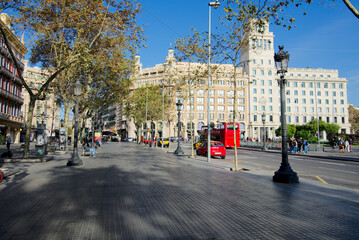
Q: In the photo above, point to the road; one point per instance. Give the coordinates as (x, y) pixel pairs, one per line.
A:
(327, 171)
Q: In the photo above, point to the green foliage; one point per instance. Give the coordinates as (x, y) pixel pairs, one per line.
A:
(291, 130)
(354, 118)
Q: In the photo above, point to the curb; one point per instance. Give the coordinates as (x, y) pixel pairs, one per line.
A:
(28, 160)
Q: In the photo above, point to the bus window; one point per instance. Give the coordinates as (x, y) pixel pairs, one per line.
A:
(230, 127)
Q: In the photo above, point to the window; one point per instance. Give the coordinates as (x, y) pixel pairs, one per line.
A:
(254, 99)
(318, 93)
(334, 94)
(263, 108)
(255, 108)
(220, 100)
(327, 110)
(341, 94)
(311, 101)
(289, 119)
(295, 84)
(262, 72)
(325, 85)
(240, 100)
(288, 100)
(255, 118)
(328, 119)
(269, 73)
(262, 82)
(326, 93)
(230, 93)
(288, 109)
(318, 85)
(240, 93)
(270, 91)
(342, 101)
(262, 91)
(297, 119)
(303, 84)
(200, 116)
(220, 108)
(319, 101)
(303, 93)
(254, 90)
(304, 101)
(296, 109)
(271, 118)
(241, 109)
(220, 92)
(343, 119)
(334, 101)
(312, 109)
(211, 116)
(270, 83)
(295, 92)
(189, 107)
(305, 119)
(340, 85)
(200, 92)
(326, 101)
(200, 108)
(304, 109)
(295, 100)
(311, 85)
(211, 100)
(211, 108)
(190, 99)
(200, 100)
(270, 99)
(287, 92)
(333, 85)
(270, 108)
(212, 93)
(311, 93)
(230, 101)
(254, 72)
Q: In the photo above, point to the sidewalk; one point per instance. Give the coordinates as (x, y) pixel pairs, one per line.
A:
(134, 192)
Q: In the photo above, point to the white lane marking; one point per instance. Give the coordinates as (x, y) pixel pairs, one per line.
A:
(340, 164)
(339, 170)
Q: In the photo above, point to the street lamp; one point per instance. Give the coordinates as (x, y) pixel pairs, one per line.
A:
(210, 5)
(285, 174)
(75, 160)
(264, 130)
(152, 133)
(179, 150)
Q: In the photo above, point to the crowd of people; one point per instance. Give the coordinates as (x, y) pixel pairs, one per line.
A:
(342, 144)
(298, 145)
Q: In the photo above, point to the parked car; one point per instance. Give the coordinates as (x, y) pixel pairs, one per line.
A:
(217, 149)
(165, 142)
(199, 143)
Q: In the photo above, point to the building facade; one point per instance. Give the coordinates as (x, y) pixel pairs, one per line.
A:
(45, 111)
(310, 93)
(11, 97)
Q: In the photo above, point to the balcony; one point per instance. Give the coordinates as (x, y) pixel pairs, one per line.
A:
(9, 74)
(6, 53)
(7, 95)
(8, 117)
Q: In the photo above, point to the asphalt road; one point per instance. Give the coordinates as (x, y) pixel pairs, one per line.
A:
(327, 171)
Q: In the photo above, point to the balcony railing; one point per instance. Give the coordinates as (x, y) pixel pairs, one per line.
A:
(6, 53)
(8, 117)
(9, 74)
(8, 95)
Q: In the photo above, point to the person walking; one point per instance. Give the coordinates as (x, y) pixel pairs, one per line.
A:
(341, 145)
(305, 144)
(347, 145)
(8, 142)
(350, 145)
(295, 145)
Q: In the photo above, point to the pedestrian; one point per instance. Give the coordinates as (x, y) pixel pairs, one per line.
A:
(8, 142)
(300, 144)
(341, 145)
(291, 146)
(347, 145)
(295, 145)
(350, 145)
(305, 144)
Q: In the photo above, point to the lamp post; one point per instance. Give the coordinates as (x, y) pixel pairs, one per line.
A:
(152, 132)
(179, 150)
(75, 160)
(285, 174)
(210, 5)
(264, 131)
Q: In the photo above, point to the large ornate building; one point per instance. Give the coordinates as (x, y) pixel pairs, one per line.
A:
(46, 111)
(310, 93)
(11, 98)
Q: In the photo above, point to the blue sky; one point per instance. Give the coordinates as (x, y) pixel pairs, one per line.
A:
(327, 37)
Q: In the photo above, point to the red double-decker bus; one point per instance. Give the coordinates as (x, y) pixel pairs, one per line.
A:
(223, 133)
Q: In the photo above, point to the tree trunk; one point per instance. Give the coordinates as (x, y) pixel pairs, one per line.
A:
(66, 122)
(28, 126)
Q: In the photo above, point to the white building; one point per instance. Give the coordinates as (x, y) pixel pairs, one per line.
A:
(310, 93)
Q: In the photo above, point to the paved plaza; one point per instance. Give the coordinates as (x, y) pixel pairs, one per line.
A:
(129, 191)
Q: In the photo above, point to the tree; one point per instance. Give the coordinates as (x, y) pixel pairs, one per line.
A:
(354, 119)
(331, 129)
(68, 32)
(291, 130)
